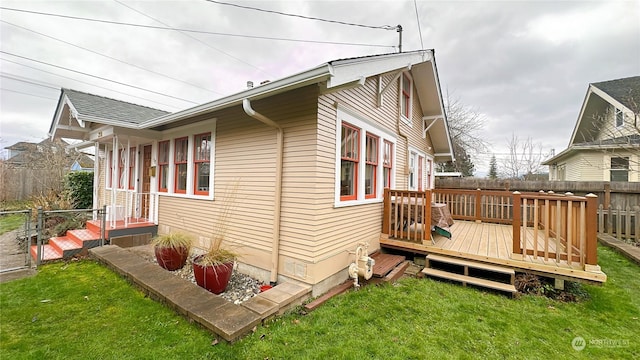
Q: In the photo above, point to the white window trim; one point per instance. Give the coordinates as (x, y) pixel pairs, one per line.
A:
(405, 119)
(354, 118)
(190, 134)
(615, 117)
(412, 151)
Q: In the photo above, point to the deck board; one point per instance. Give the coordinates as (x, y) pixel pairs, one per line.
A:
(492, 243)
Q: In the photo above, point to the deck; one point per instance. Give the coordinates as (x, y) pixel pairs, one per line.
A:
(491, 243)
(537, 249)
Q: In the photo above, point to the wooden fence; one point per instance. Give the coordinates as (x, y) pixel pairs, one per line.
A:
(23, 183)
(622, 224)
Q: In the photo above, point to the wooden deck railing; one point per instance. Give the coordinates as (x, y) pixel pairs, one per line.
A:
(557, 227)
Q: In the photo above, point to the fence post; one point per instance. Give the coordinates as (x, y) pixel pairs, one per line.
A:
(103, 224)
(28, 240)
(39, 237)
(517, 250)
(591, 263)
(478, 205)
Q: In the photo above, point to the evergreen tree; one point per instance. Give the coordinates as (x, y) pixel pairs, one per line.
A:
(493, 168)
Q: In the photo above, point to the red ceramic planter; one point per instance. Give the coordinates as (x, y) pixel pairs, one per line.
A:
(213, 278)
(171, 259)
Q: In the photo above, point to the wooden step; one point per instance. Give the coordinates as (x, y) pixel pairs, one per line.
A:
(470, 280)
(49, 253)
(87, 238)
(385, 263)
(66, 246)
(471, 264)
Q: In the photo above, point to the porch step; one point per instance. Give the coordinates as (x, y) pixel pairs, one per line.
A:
(49, 253)
(470, 272)
(66, 246)
(86, 238)
(509, 288)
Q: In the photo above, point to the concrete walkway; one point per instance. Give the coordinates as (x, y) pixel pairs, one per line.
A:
(628, 250)
(227, 320)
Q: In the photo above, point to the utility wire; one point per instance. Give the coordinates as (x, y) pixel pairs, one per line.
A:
(194, 31)
(88, 83)
(110, 57)
(97, 77)
(415, 4)
(193, 38)
(383, 27)
(27, 80)
(24, 93)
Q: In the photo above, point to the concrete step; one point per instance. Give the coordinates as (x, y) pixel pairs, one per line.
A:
(49, 253)
(87, 238)
(66, 246)
(464, 279)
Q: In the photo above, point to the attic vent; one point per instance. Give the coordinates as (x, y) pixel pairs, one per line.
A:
(265, 82)
(249, 84)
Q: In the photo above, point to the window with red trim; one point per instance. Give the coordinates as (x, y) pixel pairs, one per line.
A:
(202, 163)
(349, 154)
(405, 101)
(387, 163)
(121, 159)
(110, 159)
(163, 166)
(371, 166)
(180, 161)
(132, 168)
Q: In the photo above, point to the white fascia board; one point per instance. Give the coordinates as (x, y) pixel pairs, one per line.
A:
(314, 75)
(581, 114)
(349, 70)
(606, 97)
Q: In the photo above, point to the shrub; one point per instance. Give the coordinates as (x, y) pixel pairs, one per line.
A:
(79, 186)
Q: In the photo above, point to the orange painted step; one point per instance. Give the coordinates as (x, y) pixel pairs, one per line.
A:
(66, 246)
(86, 237)
(48, 253)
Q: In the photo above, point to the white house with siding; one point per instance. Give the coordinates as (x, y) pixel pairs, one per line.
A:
(605, 143)
(295, 168)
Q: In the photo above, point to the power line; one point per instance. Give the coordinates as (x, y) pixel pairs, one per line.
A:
(193, 38)
(383, 27)
(24, 93)
(110, 57)
(27, 80)
(97, 77)
(415, 5)
(195, 31)
(88, 83)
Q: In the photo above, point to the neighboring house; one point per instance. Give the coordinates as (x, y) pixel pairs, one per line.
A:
(605, 144)
(47, 153)
(292, 171)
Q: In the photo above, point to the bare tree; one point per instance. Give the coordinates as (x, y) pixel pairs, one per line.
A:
(465, 124)
(524, 160)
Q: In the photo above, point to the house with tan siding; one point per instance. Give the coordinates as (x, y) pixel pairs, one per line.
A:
(291, 172)
(605, 143)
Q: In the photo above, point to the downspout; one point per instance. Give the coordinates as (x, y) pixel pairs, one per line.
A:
(275, 248)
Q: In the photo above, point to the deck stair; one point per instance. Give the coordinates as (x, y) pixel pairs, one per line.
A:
(470, 272)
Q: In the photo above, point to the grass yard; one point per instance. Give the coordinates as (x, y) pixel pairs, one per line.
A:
(82, 310)
(11, 222)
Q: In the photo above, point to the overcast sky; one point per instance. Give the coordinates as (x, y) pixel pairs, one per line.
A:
(524, 65)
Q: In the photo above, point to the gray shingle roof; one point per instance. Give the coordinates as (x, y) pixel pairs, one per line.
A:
(623, 90)
(106, 108)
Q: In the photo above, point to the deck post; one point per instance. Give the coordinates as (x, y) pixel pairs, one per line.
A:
(517, 250)
(591, 262)
(426, 208)
(478, 205)
(386, 212)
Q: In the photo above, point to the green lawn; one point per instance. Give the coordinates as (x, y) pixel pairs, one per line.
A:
(82, 310)
(11, 222)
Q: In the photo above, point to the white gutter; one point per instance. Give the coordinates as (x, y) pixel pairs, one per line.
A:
(275, 247)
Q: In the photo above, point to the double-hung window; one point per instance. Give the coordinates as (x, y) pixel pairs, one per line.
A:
(371, 166)
(405, 98)
(132, 168)
(121, 159)
(387, 163)
(349, 154)
(180, 161)
(163, 166)
(202, 158)
(619, 169)
(364, 159)
(416, 170)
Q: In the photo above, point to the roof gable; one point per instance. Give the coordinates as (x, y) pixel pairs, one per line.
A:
(626, 91)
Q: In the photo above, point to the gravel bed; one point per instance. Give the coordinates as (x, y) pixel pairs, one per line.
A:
(240, 289)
